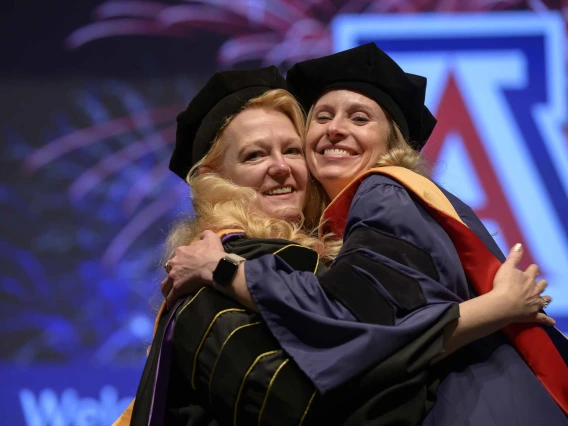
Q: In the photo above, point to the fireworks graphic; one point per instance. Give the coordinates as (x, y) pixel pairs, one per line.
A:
(271, 32)
(103, 197)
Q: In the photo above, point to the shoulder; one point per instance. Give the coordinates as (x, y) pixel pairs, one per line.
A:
(384, 204)
(379, 193)
(377, 181)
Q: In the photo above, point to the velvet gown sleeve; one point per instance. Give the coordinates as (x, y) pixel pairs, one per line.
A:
(397, 276)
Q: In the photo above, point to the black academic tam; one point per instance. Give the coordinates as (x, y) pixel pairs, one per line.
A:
(370, 71)
(225, 94)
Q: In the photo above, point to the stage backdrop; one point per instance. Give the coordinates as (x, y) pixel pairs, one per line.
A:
(89, 95)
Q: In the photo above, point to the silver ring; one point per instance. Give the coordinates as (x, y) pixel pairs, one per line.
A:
(167, 266)
(544, 302)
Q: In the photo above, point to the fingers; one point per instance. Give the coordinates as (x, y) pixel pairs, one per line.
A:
(544, 319)
(532, 271)
(207, 235)
(211, 240)
(176, 293)
(541, 286)
(515, 255)
(545, 300)
(166, 286)
(167, 266)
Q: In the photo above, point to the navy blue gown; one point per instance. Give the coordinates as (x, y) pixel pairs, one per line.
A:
(411, 268)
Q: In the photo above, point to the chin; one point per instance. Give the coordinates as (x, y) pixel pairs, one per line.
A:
(337, 173)
(337, 178)
(287, 213)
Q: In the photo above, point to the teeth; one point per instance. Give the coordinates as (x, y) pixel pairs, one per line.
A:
(285, 190)
(335, 151)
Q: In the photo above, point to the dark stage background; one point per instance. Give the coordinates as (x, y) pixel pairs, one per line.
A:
(89, 92)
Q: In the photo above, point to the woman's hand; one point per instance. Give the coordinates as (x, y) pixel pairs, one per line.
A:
(192, 267)
(519, 292)
(516, 297)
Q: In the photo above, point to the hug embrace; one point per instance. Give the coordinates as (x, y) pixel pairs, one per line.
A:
(325, 279)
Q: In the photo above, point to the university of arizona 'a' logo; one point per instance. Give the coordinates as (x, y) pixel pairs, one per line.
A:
(497, 85)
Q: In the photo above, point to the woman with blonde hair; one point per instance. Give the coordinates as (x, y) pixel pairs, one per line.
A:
(239, 148)
(401, 294)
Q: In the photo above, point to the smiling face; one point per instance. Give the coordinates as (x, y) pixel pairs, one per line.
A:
(263, 150)
(347, 134)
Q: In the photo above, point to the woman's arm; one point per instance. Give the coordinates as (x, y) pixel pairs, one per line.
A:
(515, 298)
(314, 328)
(192, 267)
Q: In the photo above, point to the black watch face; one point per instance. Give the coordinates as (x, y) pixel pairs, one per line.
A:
(225, 272)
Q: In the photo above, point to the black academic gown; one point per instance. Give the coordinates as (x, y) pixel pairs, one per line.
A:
(214, 362)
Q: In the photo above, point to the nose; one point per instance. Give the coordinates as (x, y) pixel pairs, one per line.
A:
(279, 166)
(336, 130)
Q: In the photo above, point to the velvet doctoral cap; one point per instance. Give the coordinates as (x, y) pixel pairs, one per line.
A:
(224, 95)
(370, 71)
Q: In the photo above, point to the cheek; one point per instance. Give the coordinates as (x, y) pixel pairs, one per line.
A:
(312, 138)
(375, 142)
(251, 176)
(301, 175)
(310, 160)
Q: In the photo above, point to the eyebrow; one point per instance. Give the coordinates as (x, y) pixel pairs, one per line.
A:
(354, 105)
(264, 143)
(323, 106)
(250, 143)
(360, 105)
(296, 139)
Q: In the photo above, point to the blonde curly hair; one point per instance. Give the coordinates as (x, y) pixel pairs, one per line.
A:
(220, 204)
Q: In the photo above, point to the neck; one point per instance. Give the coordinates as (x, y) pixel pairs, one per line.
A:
(335, 186)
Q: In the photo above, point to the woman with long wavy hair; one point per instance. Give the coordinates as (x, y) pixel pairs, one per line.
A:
(418, 276)
(240, 149)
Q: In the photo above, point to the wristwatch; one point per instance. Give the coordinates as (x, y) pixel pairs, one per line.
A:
(226, 269)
